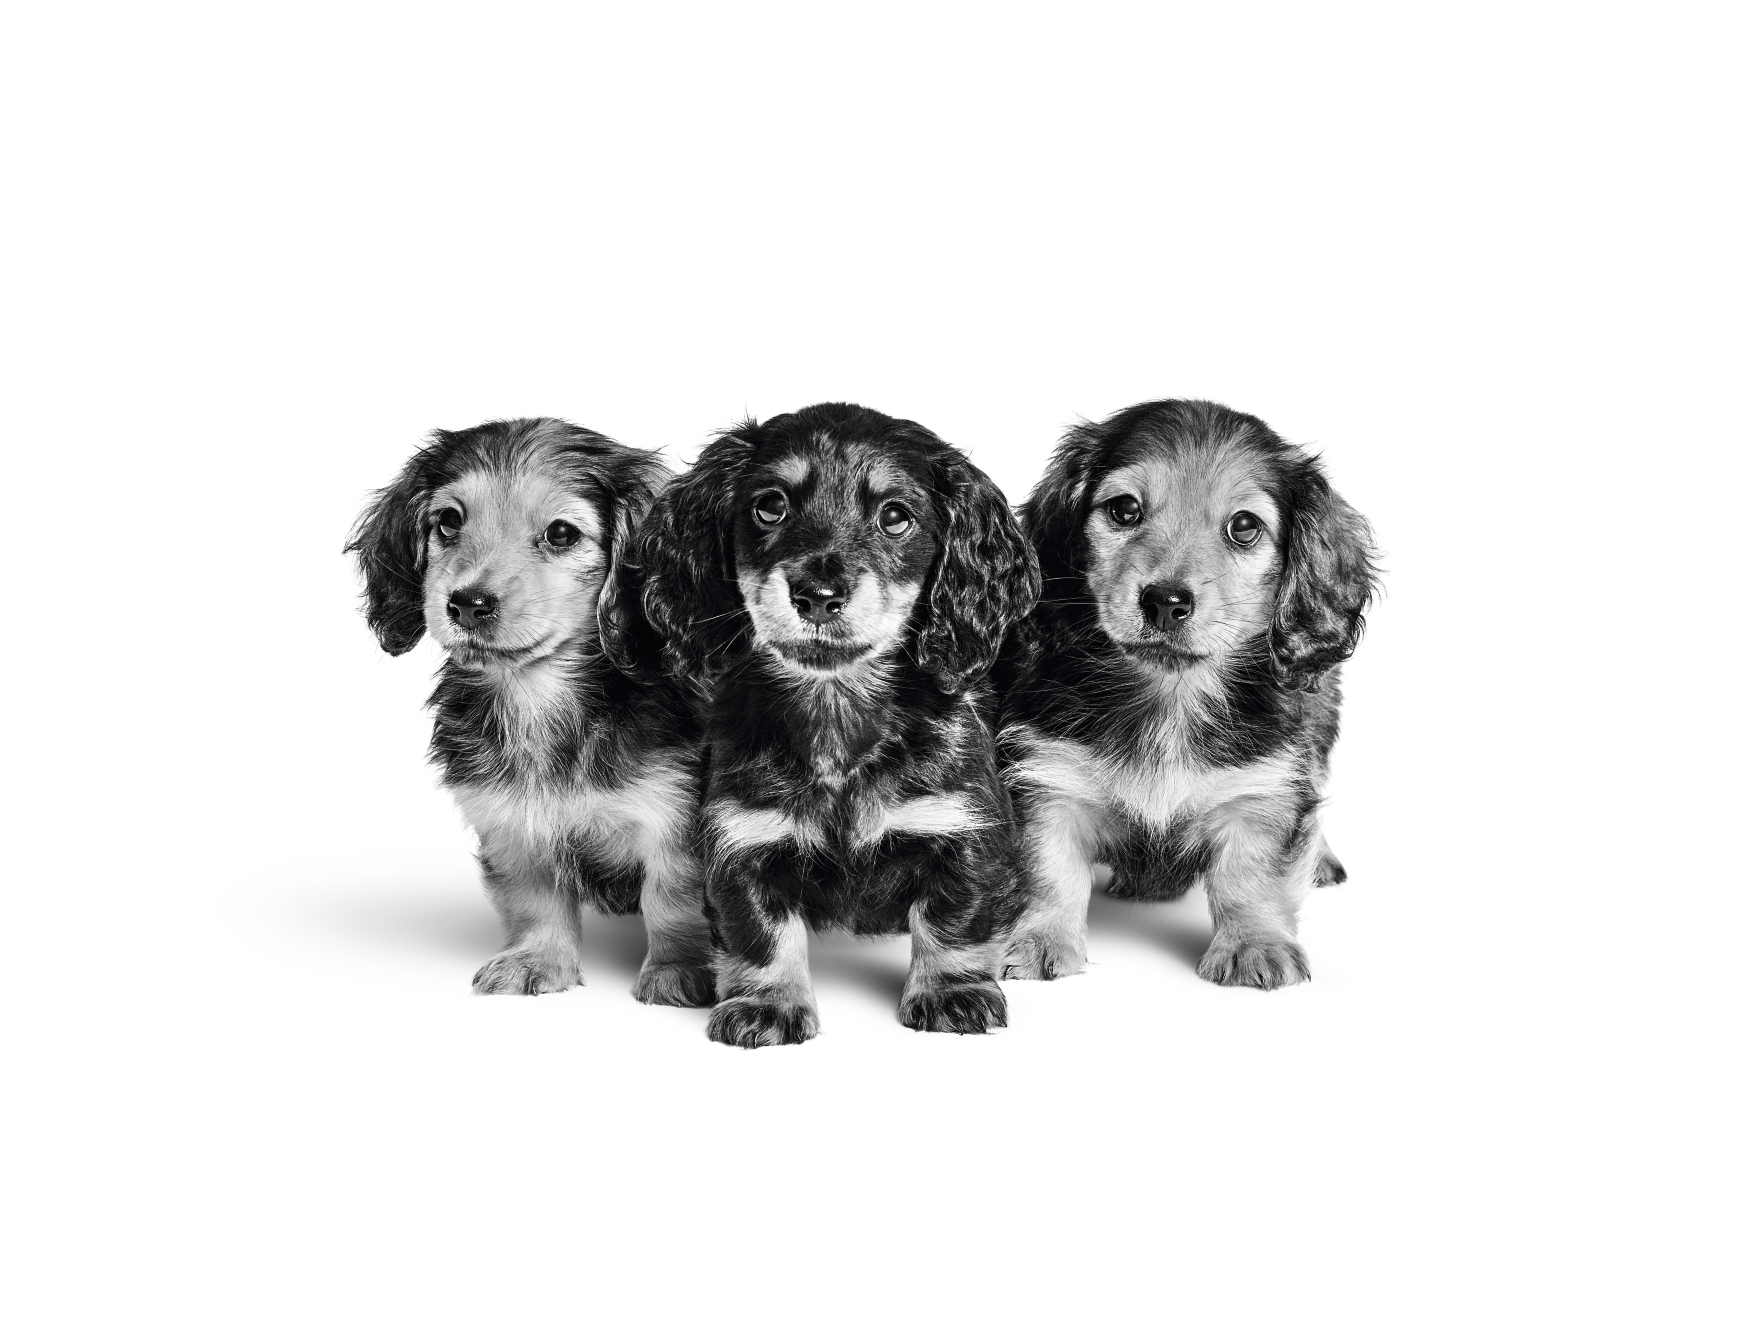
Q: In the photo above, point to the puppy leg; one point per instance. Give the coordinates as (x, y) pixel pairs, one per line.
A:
(540, 912)
(954, 959)
(1051, 939)
(1255, 890)
(679, 968)
(761, 976)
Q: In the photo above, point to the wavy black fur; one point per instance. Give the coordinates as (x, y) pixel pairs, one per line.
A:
(816, 757)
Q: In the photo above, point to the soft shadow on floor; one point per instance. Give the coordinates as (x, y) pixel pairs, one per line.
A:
(613, 943)
(449, 923)
(465, 926)
(1181, 927)
(877, 966)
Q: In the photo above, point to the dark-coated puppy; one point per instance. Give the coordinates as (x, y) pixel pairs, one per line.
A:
(580, 782)
(835, 583)
(1173, 700)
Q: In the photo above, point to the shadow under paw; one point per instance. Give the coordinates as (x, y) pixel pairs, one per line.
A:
(967, 1010)
(1263, 965)
(677, 984)
(751, 1023)
(526, 972)
(1044, 958)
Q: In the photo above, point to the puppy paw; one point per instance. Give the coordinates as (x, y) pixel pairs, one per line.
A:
(680, 984)
(1263, 964)
(750, 1023)
(520, 971)
(968, 1010)
(1044, 958)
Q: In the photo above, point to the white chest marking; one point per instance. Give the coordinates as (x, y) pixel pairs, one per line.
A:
(1153, 790)
(737, 829)
(935, 813)
(634, 820)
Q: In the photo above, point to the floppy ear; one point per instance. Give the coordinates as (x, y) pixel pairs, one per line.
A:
(1328, 578)
(391, 547)
(623, 630)
(689, 594)
(987, 580)
(1055, 517)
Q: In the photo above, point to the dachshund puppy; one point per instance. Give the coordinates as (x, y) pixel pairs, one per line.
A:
(835, 585)
(580, 783)
(1174, 698)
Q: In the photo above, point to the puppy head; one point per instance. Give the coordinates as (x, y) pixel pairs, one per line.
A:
(1191, 535)
(827, 538)
(498, 540)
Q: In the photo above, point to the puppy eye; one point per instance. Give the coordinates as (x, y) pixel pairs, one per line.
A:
(1126, 510)
(562, 534)
(448, 523)
(771, 507)
(895, 520)
(1244, 528)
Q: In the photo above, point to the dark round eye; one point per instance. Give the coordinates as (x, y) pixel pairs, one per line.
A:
(449, 521)
(1126, 510)
(771, 507)
(1244, 528)
(895, 520)
(562, 534)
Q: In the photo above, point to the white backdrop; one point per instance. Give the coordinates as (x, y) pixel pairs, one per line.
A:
(1495, 261)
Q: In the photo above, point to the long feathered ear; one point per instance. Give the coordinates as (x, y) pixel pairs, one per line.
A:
(636, 483)
(684, 569)
(1055, 517)
(390, 545)
(986, 581)
(1328, 577)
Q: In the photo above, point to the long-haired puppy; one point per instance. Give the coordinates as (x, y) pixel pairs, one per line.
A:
(835, 584)
(580, 782)
(1174, 698)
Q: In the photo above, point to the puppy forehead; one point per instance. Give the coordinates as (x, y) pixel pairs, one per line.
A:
(825, 464)
(526, 496)
(1166, 474)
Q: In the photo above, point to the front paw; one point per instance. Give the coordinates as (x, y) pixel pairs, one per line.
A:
(1264, 964)
(1044, 957)
(680, 984)
(750, 1022)
(520, 971)
(968, 1010)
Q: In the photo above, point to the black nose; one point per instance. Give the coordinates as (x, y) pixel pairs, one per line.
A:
(1167, 605)
(471, 607)
(817, 602)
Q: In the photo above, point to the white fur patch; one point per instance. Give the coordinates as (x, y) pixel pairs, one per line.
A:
(937, 813)
(1153, 789)
(736, 829)
(645, 821)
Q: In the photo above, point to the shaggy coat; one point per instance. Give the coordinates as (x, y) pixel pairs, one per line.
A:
(580, 781)
(1172, 702)
(834, 584)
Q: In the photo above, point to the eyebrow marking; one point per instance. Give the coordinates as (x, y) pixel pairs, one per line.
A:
(793, 469)
(884, 476)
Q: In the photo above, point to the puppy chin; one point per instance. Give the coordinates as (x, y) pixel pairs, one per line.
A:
(825, 656)
(1165, 656)
(487, 654)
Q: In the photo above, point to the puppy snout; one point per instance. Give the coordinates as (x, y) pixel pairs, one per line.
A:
(818, 601)
(471, 607)
(1166, 605)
